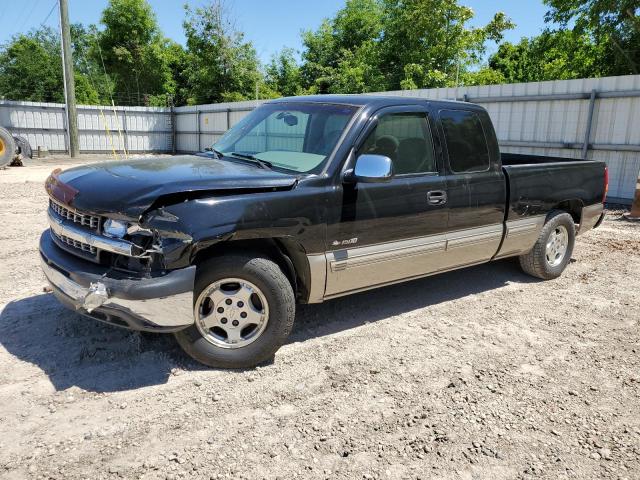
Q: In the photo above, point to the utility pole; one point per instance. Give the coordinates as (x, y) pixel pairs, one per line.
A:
(69, 82)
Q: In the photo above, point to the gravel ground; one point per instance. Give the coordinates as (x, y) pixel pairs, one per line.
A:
(480, 373)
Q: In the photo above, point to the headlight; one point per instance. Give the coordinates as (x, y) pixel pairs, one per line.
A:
(115, 228)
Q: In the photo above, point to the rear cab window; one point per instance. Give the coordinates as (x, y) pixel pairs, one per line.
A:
(466, 141)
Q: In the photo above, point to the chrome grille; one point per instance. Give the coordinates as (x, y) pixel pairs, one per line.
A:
(79, 233)
(83, 219)
(85, 247)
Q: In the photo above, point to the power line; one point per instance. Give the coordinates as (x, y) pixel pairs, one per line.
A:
(55, 4)
(24, 6)
(28, 17)
(42, 24)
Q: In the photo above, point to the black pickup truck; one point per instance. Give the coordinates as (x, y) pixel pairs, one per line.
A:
(304, 200)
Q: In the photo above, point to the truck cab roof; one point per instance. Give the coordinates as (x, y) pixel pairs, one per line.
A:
(376, 101)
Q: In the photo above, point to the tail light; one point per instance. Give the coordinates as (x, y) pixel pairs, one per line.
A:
(606, 184)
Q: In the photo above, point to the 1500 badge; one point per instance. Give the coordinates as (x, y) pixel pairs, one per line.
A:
(338, 243)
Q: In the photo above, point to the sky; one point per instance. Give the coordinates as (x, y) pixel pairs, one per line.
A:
(269, 24)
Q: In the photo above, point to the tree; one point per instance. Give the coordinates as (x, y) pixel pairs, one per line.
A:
(27, 71)
(133, 52)
(374, 45)
(427, 43)
(613, 24)
(178, 63)
(87, 66)
(367, 46)
(222, 65)
(31, 69)
(282, 75)
(359, 71)
(553, 55)
(341, 56)
(483, 76)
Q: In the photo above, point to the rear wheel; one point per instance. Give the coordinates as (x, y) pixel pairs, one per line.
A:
(552, 251)
(244, 310)
(24, 146)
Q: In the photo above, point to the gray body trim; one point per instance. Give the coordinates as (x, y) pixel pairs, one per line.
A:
(393, 282)
(472, 246)
(365, 267)
(318, 277)
(374, 254)
(521, 236)
(589, 217)
(342, 272)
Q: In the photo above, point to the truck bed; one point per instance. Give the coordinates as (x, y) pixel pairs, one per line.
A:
(532, 178)
(527, 159)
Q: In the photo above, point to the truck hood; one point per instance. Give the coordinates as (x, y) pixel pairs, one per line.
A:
(129, 188)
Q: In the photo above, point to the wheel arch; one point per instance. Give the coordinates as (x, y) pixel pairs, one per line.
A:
(288, 254)
(573, 207)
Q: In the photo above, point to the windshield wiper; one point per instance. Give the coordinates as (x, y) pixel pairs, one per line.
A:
(244, 156)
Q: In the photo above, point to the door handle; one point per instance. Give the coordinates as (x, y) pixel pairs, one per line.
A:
(437, 197)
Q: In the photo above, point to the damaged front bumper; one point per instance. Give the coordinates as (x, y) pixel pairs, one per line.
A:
(157, 304)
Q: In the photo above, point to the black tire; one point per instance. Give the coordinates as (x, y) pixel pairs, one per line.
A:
(273, 284)
(7, 148)
(535, 262)
(23, 146)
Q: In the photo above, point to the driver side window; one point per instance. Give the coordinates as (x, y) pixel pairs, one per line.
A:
(406, 139)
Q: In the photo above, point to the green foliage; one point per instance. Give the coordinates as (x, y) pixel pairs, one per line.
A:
(484, 76)
(134, 52)
(613, 24)
(367, 46)
(553, 55)
(341, 56)
(31, 69)
(358, 71)
(27, 71)
(373, 45)
(222, 66)
(427, 43)
(89, 74)
(177, 61)
(283, 76)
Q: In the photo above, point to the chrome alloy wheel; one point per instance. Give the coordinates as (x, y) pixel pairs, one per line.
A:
(231, 313)
(557, 244)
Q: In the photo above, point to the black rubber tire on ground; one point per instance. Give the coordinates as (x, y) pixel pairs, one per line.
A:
(271, 280)
(7, 147)
(23, 144)
(535, 262)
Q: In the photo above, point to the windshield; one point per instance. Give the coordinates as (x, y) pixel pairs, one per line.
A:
(291, 136)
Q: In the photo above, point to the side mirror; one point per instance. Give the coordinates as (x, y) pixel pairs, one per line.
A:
(371, 169)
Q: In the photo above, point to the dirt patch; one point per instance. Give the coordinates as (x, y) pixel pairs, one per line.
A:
(624, 246)
(480, 373)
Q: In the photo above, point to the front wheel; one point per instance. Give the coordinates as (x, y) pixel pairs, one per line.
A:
(552, 251)
(244, 310)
